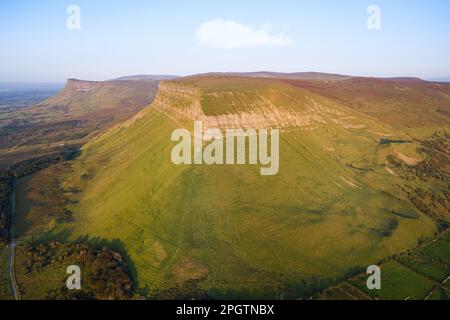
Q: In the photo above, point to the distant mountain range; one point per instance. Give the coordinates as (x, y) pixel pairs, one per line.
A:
(146, 77)
(256, 74)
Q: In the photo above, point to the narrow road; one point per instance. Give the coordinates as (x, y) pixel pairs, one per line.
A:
(12, 278)
(12, 245)
(441, 285)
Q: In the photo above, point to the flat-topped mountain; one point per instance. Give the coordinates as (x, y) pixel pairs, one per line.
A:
(80, 98)
(146, 77)
(348, 193)
(74, 115)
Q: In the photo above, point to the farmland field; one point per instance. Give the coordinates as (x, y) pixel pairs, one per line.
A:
(417, 274)
(398, 283)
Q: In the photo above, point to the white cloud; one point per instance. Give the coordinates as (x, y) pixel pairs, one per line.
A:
(231, 34)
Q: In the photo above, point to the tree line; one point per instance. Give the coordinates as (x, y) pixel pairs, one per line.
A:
(20, 170)
(6, 189)
(104, 272)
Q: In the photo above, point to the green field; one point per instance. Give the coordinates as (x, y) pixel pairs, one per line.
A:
(420, 273)
(343, 291)
(433, 261)
(398, 283)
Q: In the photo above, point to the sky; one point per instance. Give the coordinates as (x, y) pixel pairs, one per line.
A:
(40, 40)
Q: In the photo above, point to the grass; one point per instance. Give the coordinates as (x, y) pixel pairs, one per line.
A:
(343, 291)
(398, 283)
(433, 261)
(440, 294)
(5, 289)
(247, 235)
(226, 231)
(40, 202)
(419, 273)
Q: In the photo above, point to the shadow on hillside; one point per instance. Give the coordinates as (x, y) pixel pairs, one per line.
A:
(117, 245)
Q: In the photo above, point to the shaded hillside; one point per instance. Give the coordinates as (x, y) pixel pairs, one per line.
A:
(81, 110)
(226, 231)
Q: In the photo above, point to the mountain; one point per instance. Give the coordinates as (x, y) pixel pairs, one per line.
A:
(281, 75)
(360, 160)
(146, 77)
(405, 102)
(77, 113)
(296, 75)
(113, 98)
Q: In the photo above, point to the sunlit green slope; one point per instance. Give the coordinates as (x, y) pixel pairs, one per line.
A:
(227, 231)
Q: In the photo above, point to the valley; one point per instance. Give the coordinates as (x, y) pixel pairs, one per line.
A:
(69, 119)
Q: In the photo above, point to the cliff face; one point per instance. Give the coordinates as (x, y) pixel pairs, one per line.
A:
(80, 85)
(80, 98)
(265, 106)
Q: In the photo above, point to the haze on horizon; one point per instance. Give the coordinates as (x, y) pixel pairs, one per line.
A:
(178, 38)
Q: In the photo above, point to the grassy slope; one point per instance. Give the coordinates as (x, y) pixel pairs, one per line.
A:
(236, 233)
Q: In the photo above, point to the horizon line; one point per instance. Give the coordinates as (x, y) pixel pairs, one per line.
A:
(428, 78)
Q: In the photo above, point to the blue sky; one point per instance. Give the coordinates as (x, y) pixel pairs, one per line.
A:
(162, 37)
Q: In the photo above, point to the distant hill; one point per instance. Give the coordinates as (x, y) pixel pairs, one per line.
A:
(280, 75)
(297, 75)
(78, 112)
(80, 97)
(146, 77)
